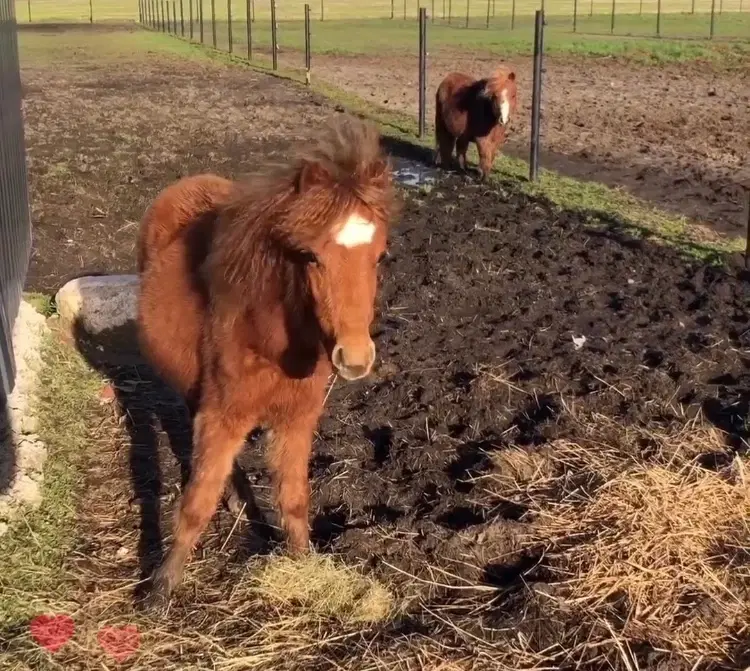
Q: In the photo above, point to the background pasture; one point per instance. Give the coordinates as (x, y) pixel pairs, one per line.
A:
(356, 23)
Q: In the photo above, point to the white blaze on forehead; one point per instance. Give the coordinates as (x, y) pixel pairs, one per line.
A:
(504, 107)
(355, 231)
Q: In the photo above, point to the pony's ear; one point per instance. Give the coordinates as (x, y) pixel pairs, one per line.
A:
(312, 174)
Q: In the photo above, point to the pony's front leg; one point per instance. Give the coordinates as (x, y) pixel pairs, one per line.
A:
(218, 439)
(288, 458)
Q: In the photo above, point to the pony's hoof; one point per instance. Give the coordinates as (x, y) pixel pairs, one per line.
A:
(233, 503)
(157, 600)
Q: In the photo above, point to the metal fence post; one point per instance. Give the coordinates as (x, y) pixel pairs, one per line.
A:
(308, 54)
(163, 18)
(468, 6)
(213, 22)
(488, 13)
(393, 7)
(513, 15)
(422, 70)
(91, 11)
(274, 36)
(169, 20)
(200, 19)
(190, 10)
(29, 4)
(536, 95)
(229, 25)
(713, 18)
(182, 18)
(450, 11)
(322, 11)
(404, 10)
(249, 23)
(612, 24)
(174, 15)
(575, 15)
(658, 18)
(432, 12)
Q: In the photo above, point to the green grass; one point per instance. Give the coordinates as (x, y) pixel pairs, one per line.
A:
(38, 48)
(43, 303)
(378, 36)
(365, 27)
(34, 547)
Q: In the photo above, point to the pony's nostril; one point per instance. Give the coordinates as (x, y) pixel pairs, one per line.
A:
(337, 356)
(354, 366)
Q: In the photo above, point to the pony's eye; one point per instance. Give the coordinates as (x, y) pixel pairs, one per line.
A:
(307, 257)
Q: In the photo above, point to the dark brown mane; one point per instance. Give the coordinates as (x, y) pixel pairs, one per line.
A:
(289, 206)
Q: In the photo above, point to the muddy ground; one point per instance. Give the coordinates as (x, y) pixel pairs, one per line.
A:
(503, 322)
(503, 325)
(675, 134)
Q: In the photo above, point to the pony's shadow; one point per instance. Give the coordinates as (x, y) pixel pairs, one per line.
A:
(150, 410)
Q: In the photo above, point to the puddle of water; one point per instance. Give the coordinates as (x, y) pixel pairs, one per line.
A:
(413, 173)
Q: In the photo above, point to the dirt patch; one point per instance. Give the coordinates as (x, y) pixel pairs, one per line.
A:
(103, 138)
(675, 135)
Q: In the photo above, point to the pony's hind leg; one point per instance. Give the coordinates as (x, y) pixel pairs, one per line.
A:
(238, 491)
(288, 459)
(218, 440)
(445, 144)
(462, 146)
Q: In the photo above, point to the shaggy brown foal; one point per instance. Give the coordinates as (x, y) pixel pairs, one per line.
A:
(251, 296)
(469, 110)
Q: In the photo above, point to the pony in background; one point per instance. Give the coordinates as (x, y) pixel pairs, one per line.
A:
(473, 110)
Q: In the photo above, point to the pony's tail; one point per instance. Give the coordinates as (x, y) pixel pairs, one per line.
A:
(177, 207)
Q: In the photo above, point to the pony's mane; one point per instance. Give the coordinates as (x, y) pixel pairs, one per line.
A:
(290, 205)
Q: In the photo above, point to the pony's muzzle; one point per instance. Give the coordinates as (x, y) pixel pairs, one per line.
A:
(353, 362)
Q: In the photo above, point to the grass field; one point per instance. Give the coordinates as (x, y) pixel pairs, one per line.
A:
(383, 36)
(680, 18)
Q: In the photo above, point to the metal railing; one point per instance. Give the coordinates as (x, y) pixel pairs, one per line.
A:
(15, 226)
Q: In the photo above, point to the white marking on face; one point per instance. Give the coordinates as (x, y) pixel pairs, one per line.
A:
(504, 107)
(355, 231)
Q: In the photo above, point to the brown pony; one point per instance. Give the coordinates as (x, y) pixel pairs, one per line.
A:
(251, 296)
(469, 110)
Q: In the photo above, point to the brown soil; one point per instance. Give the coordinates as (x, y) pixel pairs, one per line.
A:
(486, 300)
(104, 138)
(676, 135)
